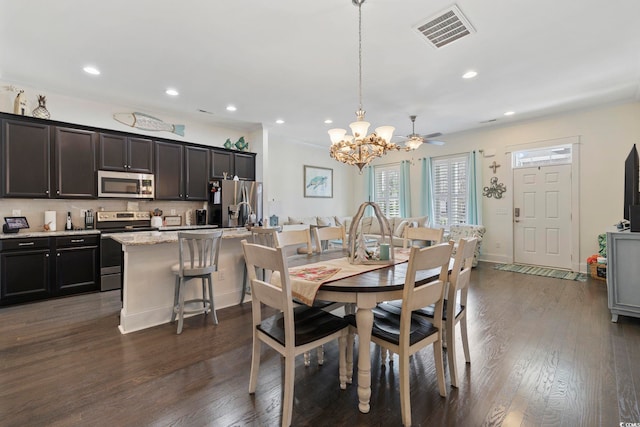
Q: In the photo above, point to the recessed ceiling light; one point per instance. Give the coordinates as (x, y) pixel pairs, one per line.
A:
(509, 113)
(231, 108)
(91, 70)
(279, 121)
(469, 74)
(171, 92)
(328, 121)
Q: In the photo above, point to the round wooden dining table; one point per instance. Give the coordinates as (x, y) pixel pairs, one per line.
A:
(365, 290)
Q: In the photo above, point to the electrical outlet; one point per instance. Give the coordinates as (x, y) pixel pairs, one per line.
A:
(497, 245)
(220, 275)
(16, 212)
(173, 211)
(83, 212)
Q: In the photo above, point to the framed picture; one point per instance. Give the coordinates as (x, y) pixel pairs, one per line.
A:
(318, 182)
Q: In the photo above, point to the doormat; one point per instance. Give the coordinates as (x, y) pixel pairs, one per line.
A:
(542, 271)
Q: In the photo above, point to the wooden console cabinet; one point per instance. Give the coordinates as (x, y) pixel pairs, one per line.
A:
(623, 273)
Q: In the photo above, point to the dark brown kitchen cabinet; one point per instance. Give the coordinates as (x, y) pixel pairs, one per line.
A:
(75, 163)
(169, 175)
(26, 158)
(76, 264)
(196, 169)
(221, 164)
(245, 166)
(125, 153)
(25, 269)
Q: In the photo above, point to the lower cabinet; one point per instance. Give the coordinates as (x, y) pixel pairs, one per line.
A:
(41, 268)
(25, 269)
(77, 264)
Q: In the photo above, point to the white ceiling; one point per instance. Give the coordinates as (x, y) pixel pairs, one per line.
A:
(297, 60)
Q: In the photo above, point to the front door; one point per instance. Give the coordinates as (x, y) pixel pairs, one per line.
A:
(542, 216)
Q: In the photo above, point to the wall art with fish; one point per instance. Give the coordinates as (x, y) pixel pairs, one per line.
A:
(147, 122)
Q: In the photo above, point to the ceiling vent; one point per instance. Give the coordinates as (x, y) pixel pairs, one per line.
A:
(446, 27)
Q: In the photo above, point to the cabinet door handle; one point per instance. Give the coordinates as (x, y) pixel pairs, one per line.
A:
(58, 254)
(26, 244)
(77, 240)
(46, 255)
(46, 191)
(58, 192)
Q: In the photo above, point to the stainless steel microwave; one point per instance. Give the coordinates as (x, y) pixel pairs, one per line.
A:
(125, 185)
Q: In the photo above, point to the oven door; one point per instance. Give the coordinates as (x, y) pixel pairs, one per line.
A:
(110, 264)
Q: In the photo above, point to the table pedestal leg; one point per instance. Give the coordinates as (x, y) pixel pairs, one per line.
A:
(364, 319)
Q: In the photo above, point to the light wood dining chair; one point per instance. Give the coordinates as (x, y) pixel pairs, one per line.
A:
(405, 333)
(295, 239)
(329, 234)
(198, 259)
(292, 331)
(433, 235)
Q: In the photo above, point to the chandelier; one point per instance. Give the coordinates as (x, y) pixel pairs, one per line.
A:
(360, 149)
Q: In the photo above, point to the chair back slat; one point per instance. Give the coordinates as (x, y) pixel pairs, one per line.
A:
(289, 238)
(461, 274)
(330, 233)
(433, 235)
(430, 258)
(265, 236)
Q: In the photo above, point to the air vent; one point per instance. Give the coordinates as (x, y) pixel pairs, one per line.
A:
(488, 121)
(446, 27)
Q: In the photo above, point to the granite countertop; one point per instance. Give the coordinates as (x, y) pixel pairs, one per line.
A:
(156, 237)
(186, 227)
(32, 234)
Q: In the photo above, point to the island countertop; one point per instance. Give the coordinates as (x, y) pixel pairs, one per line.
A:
(140, 238)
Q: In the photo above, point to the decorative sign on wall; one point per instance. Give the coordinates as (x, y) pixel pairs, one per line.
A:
(147, 122)
(495, 189)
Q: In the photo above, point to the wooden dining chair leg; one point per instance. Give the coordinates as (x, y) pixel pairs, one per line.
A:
(405, 390)
(287, 400)
(437, 354)
(451, 356)
(255, 365)
(465, 337)
(320, 354)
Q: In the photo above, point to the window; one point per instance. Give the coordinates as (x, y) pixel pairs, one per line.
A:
(450, 190)
(557, 155)
(386, 189)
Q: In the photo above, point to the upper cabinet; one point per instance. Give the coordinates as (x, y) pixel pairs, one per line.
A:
(196, 168)
(126, 153)
(245, 166)
(231, 163)
(75, 163)
(26, 158)
(169, 160)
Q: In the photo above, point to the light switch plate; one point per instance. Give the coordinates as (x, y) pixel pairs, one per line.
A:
(16, 212)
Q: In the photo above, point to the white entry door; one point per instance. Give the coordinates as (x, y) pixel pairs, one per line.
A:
(542, 216)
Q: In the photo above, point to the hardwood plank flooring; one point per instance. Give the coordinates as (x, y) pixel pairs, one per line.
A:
(544, 353)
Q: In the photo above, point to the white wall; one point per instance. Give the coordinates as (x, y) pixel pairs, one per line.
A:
(606, 134)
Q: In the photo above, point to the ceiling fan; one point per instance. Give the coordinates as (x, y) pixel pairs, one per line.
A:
(414, 140)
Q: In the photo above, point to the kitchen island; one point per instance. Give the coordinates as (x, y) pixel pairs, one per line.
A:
(148, 283)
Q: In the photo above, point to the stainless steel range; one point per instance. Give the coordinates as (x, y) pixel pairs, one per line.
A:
(110, 250)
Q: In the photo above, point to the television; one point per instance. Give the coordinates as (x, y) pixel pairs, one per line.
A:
(631, 180)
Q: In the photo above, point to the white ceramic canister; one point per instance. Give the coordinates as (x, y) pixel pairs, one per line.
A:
(50, 219)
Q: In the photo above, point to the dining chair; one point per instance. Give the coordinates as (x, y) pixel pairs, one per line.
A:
(198, 259)
(433, 235)
(299, 239)
(455, 305)
(296, 238)
(329, 235)
(293, 330)
(265, 236)
(405, 333)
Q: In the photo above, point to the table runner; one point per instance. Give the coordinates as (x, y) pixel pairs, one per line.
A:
(307, 279)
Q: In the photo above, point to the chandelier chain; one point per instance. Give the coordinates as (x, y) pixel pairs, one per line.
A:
(360, 55)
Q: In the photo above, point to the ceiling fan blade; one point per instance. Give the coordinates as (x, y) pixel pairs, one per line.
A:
(433, 142)
(432, 135)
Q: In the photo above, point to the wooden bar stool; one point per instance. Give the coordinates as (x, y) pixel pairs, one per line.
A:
(198, 260)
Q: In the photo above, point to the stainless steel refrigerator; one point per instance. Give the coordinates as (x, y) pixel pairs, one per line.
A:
(234, 203)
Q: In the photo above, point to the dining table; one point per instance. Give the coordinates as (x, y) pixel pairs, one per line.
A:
(365, 290)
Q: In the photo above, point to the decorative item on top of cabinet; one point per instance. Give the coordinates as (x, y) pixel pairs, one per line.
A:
(20, 104)
(41, 111)
(147, 122)
(242, 145)
(228, 144)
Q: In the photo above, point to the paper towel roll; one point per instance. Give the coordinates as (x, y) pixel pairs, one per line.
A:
(50, 218)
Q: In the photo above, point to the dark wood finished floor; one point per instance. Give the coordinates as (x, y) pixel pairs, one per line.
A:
(544, 353)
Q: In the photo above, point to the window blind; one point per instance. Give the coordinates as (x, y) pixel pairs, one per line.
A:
(387, 189)
(450, 177)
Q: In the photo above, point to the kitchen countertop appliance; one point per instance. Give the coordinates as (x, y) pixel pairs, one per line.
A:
(110, 250)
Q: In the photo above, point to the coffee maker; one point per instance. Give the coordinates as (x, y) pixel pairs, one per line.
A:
(201, 217)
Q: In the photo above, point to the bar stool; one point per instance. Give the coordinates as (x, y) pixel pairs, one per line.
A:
(198, 260)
